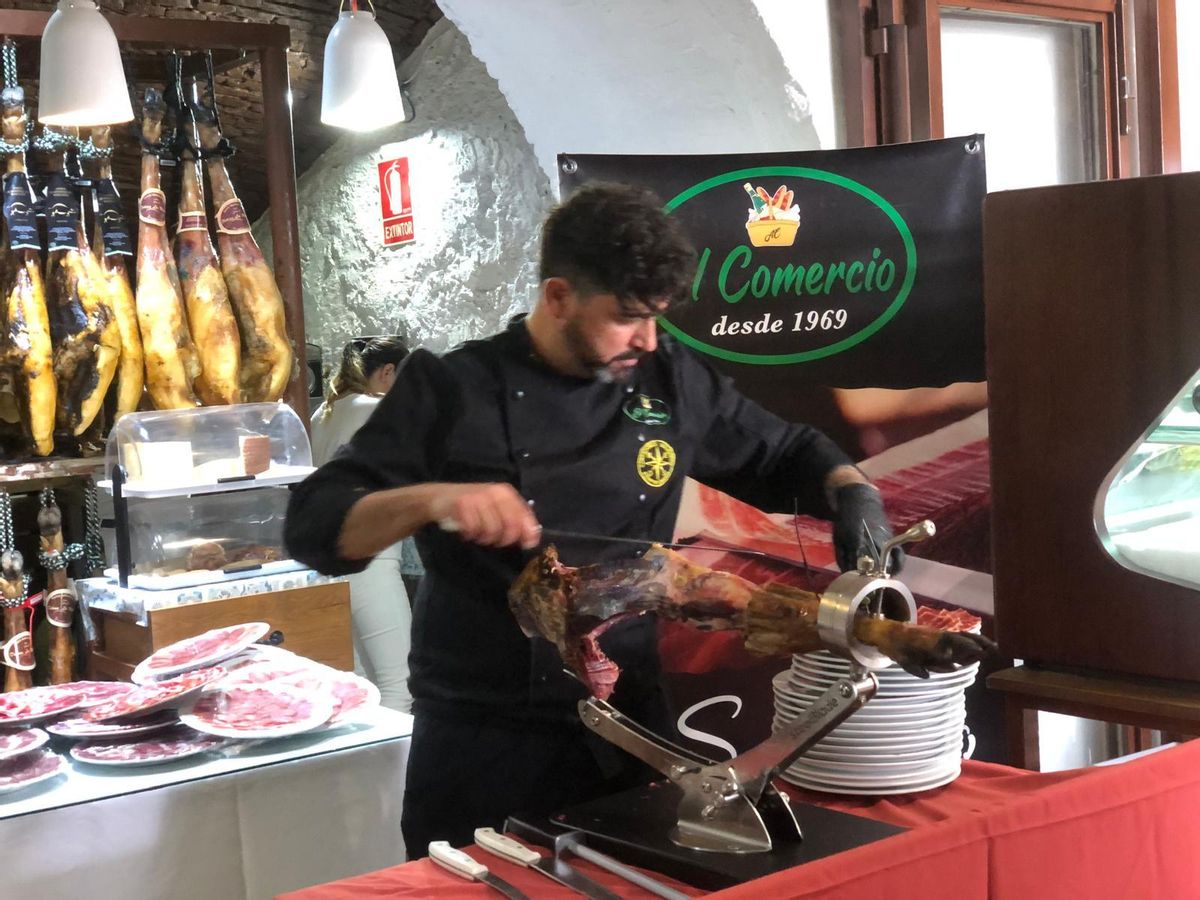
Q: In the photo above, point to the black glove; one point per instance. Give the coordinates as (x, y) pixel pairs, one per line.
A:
(856, 506)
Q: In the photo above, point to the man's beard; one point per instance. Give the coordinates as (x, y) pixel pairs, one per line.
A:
(602, 370)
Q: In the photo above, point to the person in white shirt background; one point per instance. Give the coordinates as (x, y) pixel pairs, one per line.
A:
(380, 610)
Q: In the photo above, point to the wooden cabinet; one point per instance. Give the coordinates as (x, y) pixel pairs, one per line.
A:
(312, 621)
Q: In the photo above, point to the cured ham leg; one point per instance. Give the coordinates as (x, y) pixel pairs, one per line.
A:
(60, 598)
(205, 295)
(27, 347)
(114, 273)
(267, 357)
(18, 642)
(171, 362)
(87, 342)
(572, 608)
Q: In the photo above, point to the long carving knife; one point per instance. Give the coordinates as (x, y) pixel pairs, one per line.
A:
(557, 534)
(462, 865)
(550, 866)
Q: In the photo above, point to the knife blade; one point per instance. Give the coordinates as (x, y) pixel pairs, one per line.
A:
(550, 866)
(464, 866)
(561, 535)
(573, 842)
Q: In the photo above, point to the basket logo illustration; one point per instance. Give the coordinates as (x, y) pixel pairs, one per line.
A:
(774, 218)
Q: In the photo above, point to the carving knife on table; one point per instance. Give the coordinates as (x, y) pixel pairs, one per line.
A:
(550, 866)
(462, 865)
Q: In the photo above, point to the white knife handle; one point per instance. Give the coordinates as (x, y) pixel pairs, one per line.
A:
(456, 861)
(506, 848)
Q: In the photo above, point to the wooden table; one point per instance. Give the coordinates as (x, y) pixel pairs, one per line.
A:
(1140, 703)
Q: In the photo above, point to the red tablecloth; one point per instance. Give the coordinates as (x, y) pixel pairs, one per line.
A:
(1123, 832)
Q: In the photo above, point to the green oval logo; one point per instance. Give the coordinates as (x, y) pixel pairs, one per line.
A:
(789, 271)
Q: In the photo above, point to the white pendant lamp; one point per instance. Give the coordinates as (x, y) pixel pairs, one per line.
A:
(81, 81)
(359, 88)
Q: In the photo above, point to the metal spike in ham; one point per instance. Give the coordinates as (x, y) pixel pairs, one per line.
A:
(27, 347)
(87, 342)
(205, 295)
(267, 357)
(171, 361)
(573, 607)
(115, 274)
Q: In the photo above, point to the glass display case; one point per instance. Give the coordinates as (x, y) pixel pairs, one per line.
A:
(200, 495)
(1148, 510)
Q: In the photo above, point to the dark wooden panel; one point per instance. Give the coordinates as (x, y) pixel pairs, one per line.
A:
(1093, 324)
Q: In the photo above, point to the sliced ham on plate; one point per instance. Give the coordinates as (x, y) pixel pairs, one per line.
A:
(84, 730)
(36, 704)
(14, 743)
(93, 693)
(178, 743)
(258, 711)
(171, 693)
(202, 650)
(29, 768)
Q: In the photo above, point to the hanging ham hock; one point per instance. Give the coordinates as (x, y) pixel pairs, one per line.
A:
(573, 607)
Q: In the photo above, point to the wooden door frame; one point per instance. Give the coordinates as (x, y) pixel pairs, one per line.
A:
(888, 52)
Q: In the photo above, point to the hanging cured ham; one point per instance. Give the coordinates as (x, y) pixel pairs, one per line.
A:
(18, 641)
(171, 361)
(87, 342)
(112, 245)
(267, 357)
(60, 596)
(205, 294)
(26, 344)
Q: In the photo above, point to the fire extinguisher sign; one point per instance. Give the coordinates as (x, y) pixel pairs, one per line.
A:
(395, 202)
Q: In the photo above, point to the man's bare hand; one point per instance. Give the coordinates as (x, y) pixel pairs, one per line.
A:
(493, 515)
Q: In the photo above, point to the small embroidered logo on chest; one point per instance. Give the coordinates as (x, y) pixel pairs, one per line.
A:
(656, 463)
(647, 410)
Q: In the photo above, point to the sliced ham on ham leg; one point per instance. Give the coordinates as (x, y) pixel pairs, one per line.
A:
(573, 607)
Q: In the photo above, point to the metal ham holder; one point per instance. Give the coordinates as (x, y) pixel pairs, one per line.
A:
(733, 807)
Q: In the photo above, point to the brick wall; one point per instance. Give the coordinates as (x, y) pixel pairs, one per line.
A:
(240, 89)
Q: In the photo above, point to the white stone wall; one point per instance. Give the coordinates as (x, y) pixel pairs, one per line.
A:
(478, 196)
(623, 76)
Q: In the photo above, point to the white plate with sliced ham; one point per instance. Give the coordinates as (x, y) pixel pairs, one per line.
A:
(179, 743)
(29, 768)
(255, 711)
(14, 743)
(93, 693)
(202, 650)
(351, 694)
(171, 693)
(82, 729)
(36, 704)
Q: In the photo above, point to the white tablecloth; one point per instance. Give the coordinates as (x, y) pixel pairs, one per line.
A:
(280, 816)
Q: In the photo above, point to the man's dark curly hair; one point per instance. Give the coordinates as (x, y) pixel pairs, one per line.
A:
(616, 239)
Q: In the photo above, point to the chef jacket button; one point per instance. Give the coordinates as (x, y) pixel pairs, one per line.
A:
(524, 454)
(531, 503)
(641, 498)
(518, 394)
(629, 389)
(641, 437)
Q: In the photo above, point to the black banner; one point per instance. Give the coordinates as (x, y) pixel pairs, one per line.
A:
(20, 213)
(114, 231)
(62, 212)
(846, 268)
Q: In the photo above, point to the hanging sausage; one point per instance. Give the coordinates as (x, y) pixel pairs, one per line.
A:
(112, 245)
(171, 361)
(27, 349)
(267, 357)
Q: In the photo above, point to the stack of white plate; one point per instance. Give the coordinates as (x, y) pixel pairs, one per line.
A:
(907, 738)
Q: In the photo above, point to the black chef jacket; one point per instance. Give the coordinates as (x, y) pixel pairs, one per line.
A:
(589, 456)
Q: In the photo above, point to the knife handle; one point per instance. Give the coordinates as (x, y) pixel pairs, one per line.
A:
(454, 860)
(506, 848)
